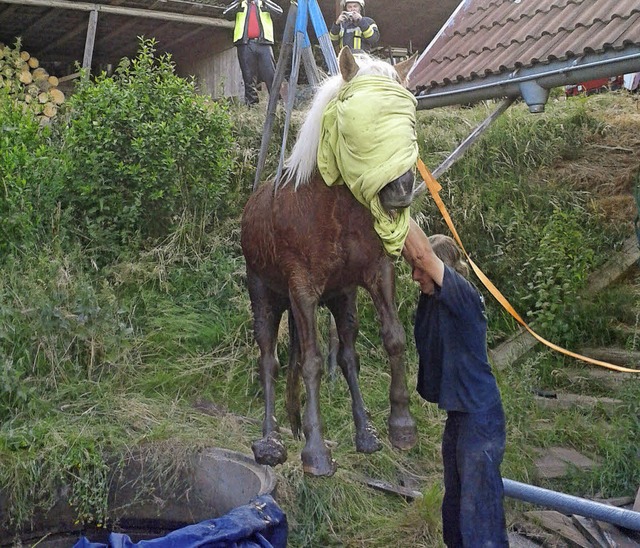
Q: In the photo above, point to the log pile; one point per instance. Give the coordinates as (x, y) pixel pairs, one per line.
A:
(29, 83)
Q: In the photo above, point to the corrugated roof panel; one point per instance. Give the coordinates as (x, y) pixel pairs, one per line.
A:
(493, 36)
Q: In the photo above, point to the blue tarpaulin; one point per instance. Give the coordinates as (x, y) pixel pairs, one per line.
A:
(259, 524)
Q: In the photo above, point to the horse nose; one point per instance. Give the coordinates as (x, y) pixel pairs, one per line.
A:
(407, 178)
(400, 192)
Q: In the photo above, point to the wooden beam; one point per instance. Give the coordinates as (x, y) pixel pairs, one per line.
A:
(89, 42)
(8, 11)
(70, 35)
(386, 487)
(39, 24)
(590, 531)
(615, 355)
(560, 525)
(131, 12)
(68, 77)
(186, 36)
(122, 28)
(627, 257)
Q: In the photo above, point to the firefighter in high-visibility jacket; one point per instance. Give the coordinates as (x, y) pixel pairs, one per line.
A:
(253, 38)
(353, 29)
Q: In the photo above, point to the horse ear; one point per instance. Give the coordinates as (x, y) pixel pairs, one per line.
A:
(348, 66)
(405, 66)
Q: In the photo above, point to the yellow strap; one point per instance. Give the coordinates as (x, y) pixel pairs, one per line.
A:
(435, 188)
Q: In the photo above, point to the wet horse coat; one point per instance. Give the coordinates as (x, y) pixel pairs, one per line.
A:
(309, 244)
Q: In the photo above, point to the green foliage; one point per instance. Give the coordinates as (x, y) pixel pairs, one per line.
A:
(636, 195)
(140, 148)
(560, 270)
(156, 347)
(56, 326)
(502, 206)
(42, 463)
(27, 187)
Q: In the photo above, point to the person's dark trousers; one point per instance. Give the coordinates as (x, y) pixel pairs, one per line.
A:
(257, 64)
(472, 450)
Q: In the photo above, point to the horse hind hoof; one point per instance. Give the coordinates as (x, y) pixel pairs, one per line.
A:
(270, 450)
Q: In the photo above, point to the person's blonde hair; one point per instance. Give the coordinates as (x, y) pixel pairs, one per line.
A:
(449, 253)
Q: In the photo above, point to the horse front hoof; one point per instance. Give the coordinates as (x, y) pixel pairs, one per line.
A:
(319, 465)
(368, 441)
(403, 434)
(320, 469)
(270, 450)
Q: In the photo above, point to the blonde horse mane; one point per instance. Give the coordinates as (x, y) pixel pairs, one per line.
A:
(301, 163)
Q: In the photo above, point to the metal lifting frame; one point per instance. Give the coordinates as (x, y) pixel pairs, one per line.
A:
(297, 47)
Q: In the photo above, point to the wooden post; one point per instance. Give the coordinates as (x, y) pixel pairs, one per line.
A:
(338, 10)
(90, 41)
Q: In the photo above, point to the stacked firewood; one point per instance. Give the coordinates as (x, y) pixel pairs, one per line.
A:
(29, 83)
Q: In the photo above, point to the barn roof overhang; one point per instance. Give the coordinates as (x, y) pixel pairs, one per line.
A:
(125, 10)
(533, 83)
(60, 32)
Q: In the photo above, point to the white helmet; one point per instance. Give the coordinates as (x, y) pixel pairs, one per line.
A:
(343, 3)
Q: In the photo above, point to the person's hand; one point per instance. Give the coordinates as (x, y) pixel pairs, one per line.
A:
(342, 17)
(355, 16)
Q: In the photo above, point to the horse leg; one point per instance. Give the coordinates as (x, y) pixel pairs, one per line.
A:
(332, 355)
(402, 427)
(268, 308)
(292, 400)
(343, 309)
(316, 457)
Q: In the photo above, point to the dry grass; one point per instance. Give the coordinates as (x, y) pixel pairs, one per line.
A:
(609, 166)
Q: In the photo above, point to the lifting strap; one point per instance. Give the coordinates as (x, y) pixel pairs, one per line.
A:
(434, 187)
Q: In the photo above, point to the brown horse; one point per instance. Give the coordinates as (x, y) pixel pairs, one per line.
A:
(308, 244)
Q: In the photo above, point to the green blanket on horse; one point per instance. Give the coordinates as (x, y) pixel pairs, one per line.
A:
(369, 112)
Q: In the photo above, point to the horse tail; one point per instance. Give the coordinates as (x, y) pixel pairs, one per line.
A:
(293, 379)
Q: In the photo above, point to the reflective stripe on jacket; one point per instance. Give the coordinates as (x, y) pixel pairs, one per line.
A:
(357, 37)
(242, 20)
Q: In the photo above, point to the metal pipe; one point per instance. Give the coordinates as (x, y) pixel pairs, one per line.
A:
(568, 504)
(499, 86)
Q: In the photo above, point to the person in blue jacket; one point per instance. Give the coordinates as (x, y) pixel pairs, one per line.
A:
(454, 372)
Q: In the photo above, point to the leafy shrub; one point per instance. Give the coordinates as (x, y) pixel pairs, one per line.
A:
(501, 208)
(141, 148)
(27, 187)
(560, 268)
(56, 326)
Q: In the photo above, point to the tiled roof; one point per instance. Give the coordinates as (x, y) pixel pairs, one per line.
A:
(491, 37)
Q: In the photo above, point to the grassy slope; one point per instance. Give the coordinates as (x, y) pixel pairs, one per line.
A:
(179, 339)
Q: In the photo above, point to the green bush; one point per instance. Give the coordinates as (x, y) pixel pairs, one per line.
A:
(141, 149)
(56, 326)
(560, 269)
(502, 205)
(27, 187)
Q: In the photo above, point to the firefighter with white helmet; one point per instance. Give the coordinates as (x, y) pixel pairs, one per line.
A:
(353, 29)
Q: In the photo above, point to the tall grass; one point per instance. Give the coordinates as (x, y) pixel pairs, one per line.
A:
(156, 350)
